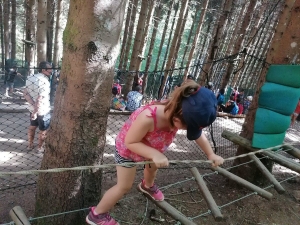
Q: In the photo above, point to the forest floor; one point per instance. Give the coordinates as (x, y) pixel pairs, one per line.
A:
(238, 204)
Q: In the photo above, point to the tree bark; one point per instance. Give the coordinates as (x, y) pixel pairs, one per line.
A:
(41, 33)
(197, 34)
(58, 33)
(77, 133)
(6, 22)
(50, 28)
(284, 48)
(30, 28)
(170, 62)
(13, 28)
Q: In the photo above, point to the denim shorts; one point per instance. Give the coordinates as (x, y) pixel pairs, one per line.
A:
(43, 122)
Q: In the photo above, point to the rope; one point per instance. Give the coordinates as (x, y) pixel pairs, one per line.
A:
(55, 170)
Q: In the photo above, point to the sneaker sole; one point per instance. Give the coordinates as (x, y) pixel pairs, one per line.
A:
(145, 192)
(92, 223)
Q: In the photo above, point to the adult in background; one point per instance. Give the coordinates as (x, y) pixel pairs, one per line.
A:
(10, 79)
(37, 94)
(134, 99)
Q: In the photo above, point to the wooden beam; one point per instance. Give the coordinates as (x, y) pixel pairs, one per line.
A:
(174, 213)
(18, 216)
(272, 155)
(292, 150)
(247, 184)
(268, 174)
(207, 195)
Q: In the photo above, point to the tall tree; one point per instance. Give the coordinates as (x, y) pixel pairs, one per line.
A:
(50, 28)
(77, 133)
(1, 36)
(135, 56)
(284, 49)
(58, 32)
(6, 22)
(197, 34)
(41, 33)
(151, 47)
(13, 28)
(237, 43)
(30, 38)
(175, 42)
(125, 34)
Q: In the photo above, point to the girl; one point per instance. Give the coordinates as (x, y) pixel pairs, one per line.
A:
(147, 134)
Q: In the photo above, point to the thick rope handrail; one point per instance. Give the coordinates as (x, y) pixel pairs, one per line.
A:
(55, 170)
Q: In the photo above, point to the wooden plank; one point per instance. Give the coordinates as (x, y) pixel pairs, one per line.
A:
(170, 210)
(247, 184)
(18, 216)
(207, 195)
(272, 155)
(268, 174)
(292, 150)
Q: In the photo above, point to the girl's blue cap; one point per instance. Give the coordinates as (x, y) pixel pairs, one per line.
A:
(199, 110)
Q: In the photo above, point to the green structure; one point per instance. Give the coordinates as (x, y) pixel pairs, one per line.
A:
(277, 101)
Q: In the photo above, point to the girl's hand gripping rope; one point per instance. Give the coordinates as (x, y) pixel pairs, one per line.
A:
(160, 160)
(217, 160)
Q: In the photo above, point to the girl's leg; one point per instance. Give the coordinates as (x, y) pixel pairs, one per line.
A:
(150, 174)
(114, 194)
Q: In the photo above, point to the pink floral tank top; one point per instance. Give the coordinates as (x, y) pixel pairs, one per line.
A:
(158, 139)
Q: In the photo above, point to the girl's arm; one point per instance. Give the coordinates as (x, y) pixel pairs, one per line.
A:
(139, 128)
(204, 144)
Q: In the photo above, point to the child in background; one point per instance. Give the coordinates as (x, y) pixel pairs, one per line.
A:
(296, 113)
(147, 134)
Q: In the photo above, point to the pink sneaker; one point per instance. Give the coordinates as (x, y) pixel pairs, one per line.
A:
(153, 191)
(101, 219)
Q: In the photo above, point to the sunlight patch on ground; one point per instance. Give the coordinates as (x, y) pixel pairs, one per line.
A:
(278, 168)
(108, 155)
(5, 156)
(12, 140)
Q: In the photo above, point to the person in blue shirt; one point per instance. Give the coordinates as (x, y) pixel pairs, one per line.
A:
(134, 99)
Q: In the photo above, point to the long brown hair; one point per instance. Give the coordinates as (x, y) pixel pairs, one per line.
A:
(174, 104)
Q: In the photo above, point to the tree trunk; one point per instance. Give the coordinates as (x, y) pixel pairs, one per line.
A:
(13, 28)
(50, 28)
(6, 12)
(130, 34)
(125, 34)
(30, 28)
(197, 34)
(170, 62)
(58, 33)
(148, 23)
(237, 43)
(78, 127)
(163, 36)
(216, 34)
(284, 49)
(41, 33)
(151, 47)
(2, 37)
(135, 57)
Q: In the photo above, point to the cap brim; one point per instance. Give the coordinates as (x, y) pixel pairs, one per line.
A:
(193, 133)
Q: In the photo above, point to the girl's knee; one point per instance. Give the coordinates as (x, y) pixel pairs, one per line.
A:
(124, 188)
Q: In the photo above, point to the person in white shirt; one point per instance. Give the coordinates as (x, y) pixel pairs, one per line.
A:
(37, 94)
